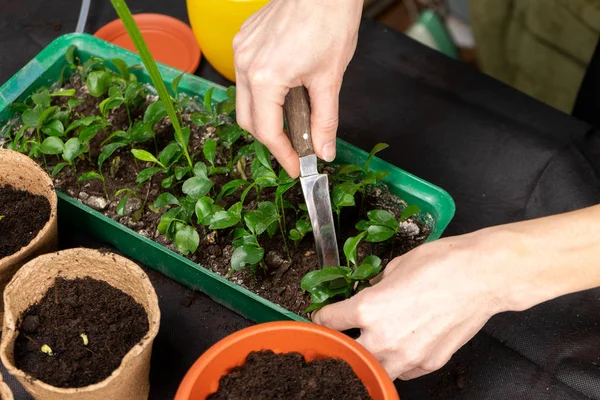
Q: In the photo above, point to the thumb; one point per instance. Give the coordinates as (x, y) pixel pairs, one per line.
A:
(324, 102)
(339, 316)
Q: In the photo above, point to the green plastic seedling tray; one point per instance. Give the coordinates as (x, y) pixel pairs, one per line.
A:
(45, 69)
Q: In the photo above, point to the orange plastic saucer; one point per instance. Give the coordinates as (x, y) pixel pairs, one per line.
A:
(170, 40)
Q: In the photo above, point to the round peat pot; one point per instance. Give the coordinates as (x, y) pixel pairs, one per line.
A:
(215, 23)
(131, 379)
(311, 340)
(5, 392)
(23, 173)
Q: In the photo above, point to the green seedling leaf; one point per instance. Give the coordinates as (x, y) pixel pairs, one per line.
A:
(317, 306)
(246, 239)
(379, 233)
(63, 93)
(97, 82)
(107, 152)
(85, 121)
(246, 255)
(362, 225)
(145, 156)
(200, 118)
(31, 117)
(204, 210)
(263, 176)
(141, 132)
(295, 235)
(246, 151)
(70, 54)
(210, 150)
(409, 211)
(165, 199)
(237, 209)
(169, 153)
(316, 278)
(89, 133)
(246, 191)
(88, 176)
(184, 139)
(59, 167)
(110, 103)
(383, 217)
(175, 84)
(196, 187)
(230, 187)
(44, 116)
(54, 128)
(41, 98)
(321, 294)
(348, 169)
(208, 100)
(200, 170)
(73, 149)
(303, 226)
(351, 245)
(369, 268)
(121, 67)
(180, 172)
(376, 149)
(52, 145)
(133, 90)
(155, 112)
(167, 182)
(146, 174)
(372, 177)
(187, 240)
(342, 195)
(166, 221)
(229, 134)
(73, 102)
(263, 155)
(224, 219)
(259, 220)
(122, 204)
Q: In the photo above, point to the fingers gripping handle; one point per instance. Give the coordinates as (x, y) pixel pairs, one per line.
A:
(297, 114)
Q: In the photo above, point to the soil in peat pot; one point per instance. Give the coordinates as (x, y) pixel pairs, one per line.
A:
(51, 345)
(22, 217)
(267, 376)
(280, 282)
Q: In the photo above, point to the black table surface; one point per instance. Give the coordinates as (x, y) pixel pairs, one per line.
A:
(502, 156)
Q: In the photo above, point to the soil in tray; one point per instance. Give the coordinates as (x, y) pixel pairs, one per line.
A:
(22, 217)
(267, 376)
(111, 321)
(280, 281)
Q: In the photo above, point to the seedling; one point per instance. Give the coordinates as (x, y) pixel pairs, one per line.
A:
(122, 204)
(1, 217)
(46, 349)
(382, 225)
(340, 282)
(85, 339)
(303, 226)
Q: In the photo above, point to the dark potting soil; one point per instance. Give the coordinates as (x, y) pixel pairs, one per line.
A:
(22, 217)
(267, 376)
(111, 319)
(280, 282)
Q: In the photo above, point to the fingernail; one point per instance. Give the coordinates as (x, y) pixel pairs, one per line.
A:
(328, 151)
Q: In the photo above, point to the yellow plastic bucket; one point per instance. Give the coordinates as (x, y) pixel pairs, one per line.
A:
(215, 23)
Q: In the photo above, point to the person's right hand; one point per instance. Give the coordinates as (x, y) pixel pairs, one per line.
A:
(290, 43)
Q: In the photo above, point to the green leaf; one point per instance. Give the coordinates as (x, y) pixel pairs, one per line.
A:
(237, 209)
(44, 116)
(283, 188)
(246, 255)
(54, 128)
(89, 133)
(175, 83)
(303, 226)
(200, 170)
(165, 199)
(263, 176)
(134, 33)
(109, 103)
(63, 93)
(154, 113)
(97, 82)
(168, 153)
(373, 177)
(180, 172)
(316, 278)
(72, 149)
(187, 240)
(295, 235)
(259, 220)
(146, 174)
(133, 90)
(376, 149)
(88, 176)
(31, 117)
(246, 239)
(208, 100)
(230, 187)
(362, 225)
(204, 210)
(230, 134)
(369, 268)
(263, 155)
(379, 233)
(121, 67)
(196, 187)
(348, 169)
(141, 132)
(122, 204)
(73, 102)
(383, 217)
(246, 151)
(409, 211)
(184, 139)
(322, 294)
(166, 220)
(210, 150)
(57, 169)
(52, 145)
(107, 152)
(145, 156)
(200, 118)
(86, 121)
(317, 306)
(167, 182)
(351, 245)
(41, 98)
(223, 219)
(70, 54)
(342, 195)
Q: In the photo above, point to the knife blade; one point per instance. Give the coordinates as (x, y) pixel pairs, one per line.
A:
(315, 186)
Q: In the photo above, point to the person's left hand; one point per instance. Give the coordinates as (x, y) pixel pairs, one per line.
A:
(428, 303)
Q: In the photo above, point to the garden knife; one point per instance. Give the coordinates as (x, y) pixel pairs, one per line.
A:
(315, 186)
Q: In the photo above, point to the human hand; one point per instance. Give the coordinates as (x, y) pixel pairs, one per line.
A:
(427, 304)
(290, 43)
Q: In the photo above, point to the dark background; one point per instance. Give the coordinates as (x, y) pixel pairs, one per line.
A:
(502, 155)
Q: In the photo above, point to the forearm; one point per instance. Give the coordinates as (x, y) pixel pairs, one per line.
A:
(547, 258)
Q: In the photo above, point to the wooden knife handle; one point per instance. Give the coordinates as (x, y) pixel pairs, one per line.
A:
(297, 113)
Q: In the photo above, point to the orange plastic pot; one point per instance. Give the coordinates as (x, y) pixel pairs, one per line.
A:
(215, 23)
(311, 340)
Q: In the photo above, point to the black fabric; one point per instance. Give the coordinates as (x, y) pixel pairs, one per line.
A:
(587, 106)
(503, 157)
